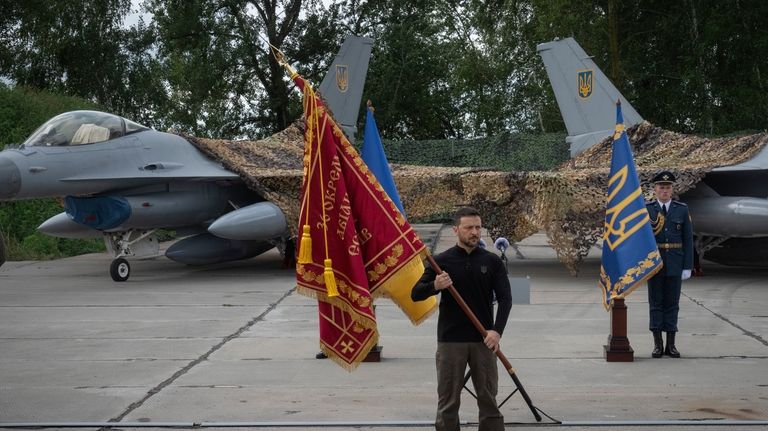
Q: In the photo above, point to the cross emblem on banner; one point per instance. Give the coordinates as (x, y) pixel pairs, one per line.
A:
(347, 346)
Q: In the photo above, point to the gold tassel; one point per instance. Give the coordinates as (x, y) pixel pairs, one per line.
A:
(305, 252)
(330, 279)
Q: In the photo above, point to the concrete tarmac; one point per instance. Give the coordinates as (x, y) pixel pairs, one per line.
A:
(235, 344)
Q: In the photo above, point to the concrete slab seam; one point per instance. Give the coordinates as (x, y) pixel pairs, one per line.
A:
(133, 406)
(725, 319)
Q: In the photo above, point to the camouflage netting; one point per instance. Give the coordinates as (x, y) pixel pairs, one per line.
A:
(566, 203)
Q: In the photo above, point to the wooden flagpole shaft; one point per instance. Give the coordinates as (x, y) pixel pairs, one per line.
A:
(483, 332)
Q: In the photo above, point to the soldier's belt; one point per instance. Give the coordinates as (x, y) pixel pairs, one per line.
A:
(668, 245)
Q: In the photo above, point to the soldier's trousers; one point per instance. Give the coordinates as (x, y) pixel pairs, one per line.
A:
(451, 360)
(664, 302)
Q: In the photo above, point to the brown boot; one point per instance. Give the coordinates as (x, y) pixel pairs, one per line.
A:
(670, 350)
(658, 345)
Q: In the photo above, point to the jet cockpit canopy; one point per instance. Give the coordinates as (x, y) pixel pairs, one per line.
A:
(81, 128)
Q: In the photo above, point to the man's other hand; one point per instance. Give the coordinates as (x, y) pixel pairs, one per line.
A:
(442, 281)
(492, 340)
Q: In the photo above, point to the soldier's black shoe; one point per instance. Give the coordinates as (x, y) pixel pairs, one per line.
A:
(658, 345)
(671, 350)
(321, 355)
(656, 352)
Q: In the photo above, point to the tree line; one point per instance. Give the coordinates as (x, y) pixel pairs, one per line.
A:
(440, 68)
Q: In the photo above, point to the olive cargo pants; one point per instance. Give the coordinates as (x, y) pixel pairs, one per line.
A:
(451, 360)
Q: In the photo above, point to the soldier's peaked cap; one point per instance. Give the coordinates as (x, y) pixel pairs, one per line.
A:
(664, 177)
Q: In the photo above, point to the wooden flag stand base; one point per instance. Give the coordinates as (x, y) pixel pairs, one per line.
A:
(374, 355)
(618, 348)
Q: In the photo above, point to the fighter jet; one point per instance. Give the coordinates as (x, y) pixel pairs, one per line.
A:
(123, 181)
(728, 207)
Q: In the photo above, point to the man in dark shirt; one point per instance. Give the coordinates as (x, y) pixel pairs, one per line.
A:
(477, 275)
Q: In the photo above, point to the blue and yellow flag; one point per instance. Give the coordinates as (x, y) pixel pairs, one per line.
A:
(373, 156)
(630, 255)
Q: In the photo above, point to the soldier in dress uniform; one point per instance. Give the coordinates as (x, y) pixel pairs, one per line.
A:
(671, 224)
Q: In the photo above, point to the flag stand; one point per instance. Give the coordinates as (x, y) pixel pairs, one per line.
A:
(469, 375)
(618, 348)
(499, 354)
(375, 354)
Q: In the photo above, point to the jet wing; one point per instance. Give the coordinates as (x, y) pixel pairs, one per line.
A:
(758, 162)
(148, 178)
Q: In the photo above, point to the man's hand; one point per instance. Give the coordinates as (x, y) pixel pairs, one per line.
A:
(492, 340)
(442, 281)
(686, 274)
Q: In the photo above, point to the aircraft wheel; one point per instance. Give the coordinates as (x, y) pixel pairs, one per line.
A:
(120, 269)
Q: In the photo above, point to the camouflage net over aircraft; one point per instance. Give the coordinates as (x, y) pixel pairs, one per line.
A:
(567, 203)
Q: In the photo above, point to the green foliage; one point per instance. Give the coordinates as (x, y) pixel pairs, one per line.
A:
(73, 247)
(24, 109)
(220, 78)
(41, 247)
(20, 219)
(67, 46)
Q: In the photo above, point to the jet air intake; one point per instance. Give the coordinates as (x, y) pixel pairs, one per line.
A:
(10, 179)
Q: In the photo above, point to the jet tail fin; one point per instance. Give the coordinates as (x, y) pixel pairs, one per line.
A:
(587, 99)
(342, 88)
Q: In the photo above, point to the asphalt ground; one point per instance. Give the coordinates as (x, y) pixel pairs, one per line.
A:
(234, 345)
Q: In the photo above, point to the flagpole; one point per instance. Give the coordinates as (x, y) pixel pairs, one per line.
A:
(483, 332)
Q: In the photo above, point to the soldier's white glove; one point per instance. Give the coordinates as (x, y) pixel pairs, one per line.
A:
(686, 274)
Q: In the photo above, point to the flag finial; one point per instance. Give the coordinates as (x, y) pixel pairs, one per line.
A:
(281, 60)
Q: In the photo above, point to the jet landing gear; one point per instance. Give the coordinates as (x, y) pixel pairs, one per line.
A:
(120, 269)
(132, 243)
(701, 245)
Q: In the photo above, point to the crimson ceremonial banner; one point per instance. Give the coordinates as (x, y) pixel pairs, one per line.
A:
(355, 244)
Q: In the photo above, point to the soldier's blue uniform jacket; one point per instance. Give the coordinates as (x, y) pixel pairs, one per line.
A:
(676, 233)
(674, 237)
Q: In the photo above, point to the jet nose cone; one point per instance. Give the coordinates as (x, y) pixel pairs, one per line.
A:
(10, 179)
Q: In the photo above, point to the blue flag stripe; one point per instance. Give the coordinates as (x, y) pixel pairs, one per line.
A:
(373, 156)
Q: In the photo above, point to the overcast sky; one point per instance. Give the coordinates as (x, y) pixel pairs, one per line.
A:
(133, 17)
